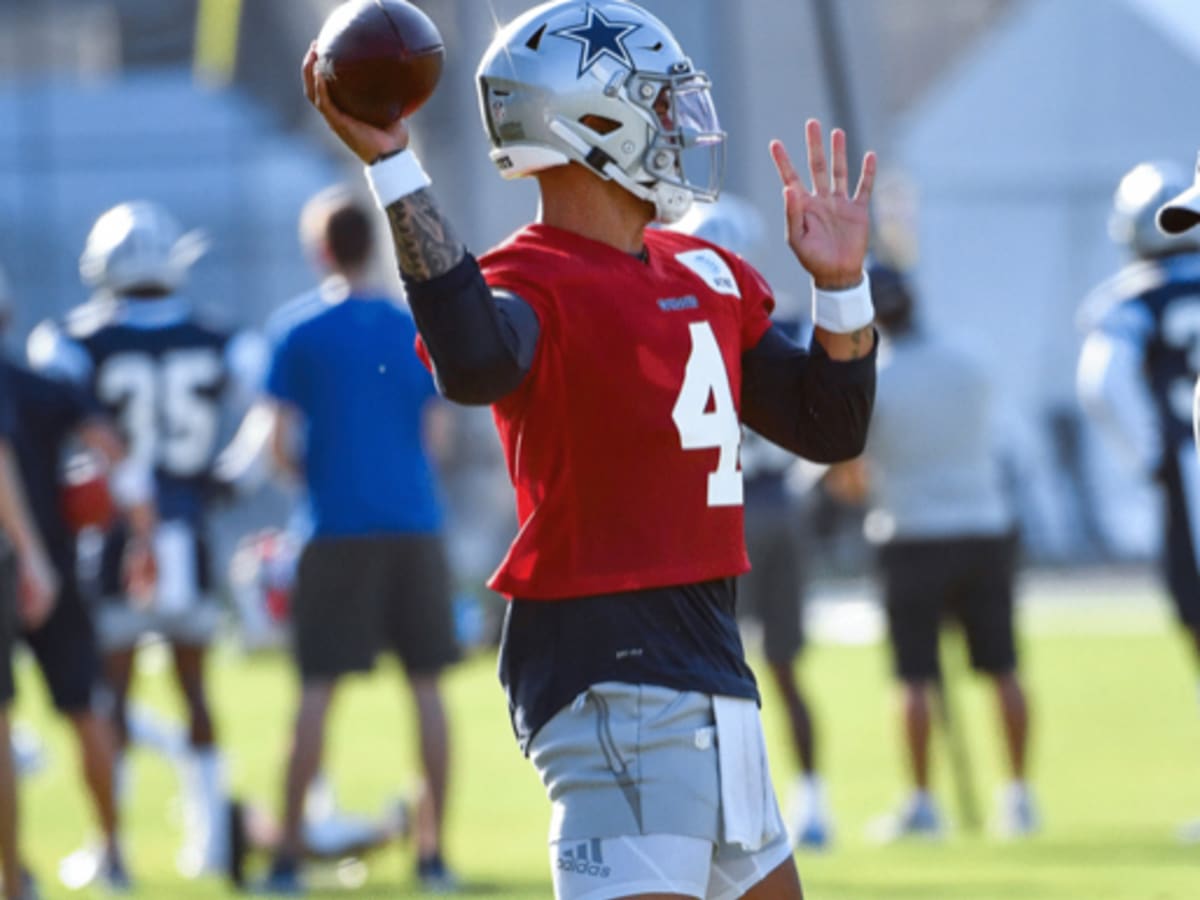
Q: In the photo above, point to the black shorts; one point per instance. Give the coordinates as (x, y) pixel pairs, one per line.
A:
(771, 592)
(1181, 563)
(357, 596)
(66, 652)
(967, 579)
(8, 620)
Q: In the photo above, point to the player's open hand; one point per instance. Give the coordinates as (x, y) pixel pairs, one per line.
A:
(366, 141)
(827, 229)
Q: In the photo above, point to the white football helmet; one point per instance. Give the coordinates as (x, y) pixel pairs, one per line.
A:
(605, 84)
(1133, 222)
(138, 245)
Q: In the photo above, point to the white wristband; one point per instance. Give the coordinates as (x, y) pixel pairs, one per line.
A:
(844, 311)
(396, 177)
(130, 484)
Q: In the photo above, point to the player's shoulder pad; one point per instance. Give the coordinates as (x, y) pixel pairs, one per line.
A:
(86, 319)
(1125, 288)
(1183, 268)
(248, 355)
(52, 352)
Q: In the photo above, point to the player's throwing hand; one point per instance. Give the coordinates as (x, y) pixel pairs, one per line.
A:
(365, 141)
(827, 229)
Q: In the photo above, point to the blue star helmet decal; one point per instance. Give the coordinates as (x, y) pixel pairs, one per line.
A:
(599, 38)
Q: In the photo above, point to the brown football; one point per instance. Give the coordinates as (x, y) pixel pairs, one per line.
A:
(381, 58)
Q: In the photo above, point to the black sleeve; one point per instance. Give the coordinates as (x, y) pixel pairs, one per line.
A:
(805, 402)
(8, 414)
(481, 343)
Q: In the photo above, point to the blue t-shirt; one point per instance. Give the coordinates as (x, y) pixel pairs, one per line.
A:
(351, 371)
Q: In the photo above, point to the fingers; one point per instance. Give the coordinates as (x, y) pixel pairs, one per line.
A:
(841, 169)
(787, 172)
(826, 180)
(818, 167)
(308, 73)
(866, 181)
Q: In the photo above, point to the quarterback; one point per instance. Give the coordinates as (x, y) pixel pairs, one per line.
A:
(620, 362)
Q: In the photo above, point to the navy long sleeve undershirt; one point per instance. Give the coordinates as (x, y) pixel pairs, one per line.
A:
(482, 345)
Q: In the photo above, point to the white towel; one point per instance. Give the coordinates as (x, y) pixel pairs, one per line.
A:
(748, 812)
(175, 554)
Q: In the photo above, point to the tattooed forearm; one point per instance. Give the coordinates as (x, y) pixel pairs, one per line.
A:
(861, 342)
(849, 346)
(426, 245)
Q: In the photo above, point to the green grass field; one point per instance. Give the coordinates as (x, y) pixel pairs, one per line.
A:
(1116, 748)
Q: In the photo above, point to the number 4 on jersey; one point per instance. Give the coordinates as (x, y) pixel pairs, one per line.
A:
(706, 416)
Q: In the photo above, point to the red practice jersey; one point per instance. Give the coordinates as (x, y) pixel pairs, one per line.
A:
(622, 441)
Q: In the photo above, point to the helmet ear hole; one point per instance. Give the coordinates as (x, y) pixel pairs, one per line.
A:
(535, 41)
(602, 125)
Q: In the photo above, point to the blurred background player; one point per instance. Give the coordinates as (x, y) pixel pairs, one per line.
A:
(1137, 370)
(352, 405)
(53, 420)
(169, 376)
(947, 545)
(28, 584)
(771, 594)
(1178, 215)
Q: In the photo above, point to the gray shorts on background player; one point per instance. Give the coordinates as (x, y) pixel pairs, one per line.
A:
(771, 592)
(121, 624)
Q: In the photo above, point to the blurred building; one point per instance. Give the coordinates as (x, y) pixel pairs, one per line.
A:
(1014, 156)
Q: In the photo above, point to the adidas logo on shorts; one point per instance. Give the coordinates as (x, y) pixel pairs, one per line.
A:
(584, 859)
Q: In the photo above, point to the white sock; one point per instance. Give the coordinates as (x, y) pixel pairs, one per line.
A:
(204, 805)
(812, 794)
(1018, 788)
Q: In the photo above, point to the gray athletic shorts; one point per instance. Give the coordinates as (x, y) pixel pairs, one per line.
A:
(634, 776)
(772, 591)
(120, 625)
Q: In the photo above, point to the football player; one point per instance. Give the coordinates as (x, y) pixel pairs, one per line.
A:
(167, 375)
(1178, 215)
(28, 584)
(1140, 359)
(56, 421)
(620, 362)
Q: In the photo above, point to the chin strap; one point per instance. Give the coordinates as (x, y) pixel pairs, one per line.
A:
(670, 203)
